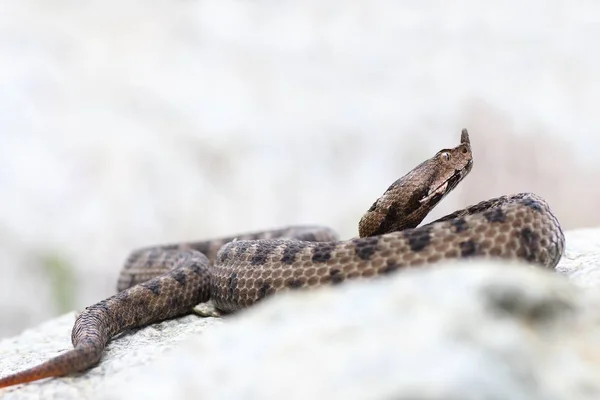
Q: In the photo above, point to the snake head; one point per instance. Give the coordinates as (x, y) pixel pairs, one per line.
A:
(408, 200)
(447, 168)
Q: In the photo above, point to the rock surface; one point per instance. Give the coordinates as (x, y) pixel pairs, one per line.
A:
(121, 363)
(581, 261)
(459, 331)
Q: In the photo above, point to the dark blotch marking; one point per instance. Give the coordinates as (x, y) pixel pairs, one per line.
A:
(394, 219)
(390, 267)
(388, 222)
(365, 247)
(459, 224)
(264, 290)
(336, 276)
(150, 261)
(261, 255)
(153, 255)
(468, 248)
(528, 236)
(322, 252)
(529, 239)
(533, 204)
(196, 268)
(242, 246)
(152, 285)
(454, 215)
(225, 253)
(179, 276)
(419, 239)
(495, 215)
(295, 283)
(290, 251)
(373, 207)
(134, 257)
(232, 283)
(308, 236)
(414, 203)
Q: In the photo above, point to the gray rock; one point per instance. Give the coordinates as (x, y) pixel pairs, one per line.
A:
(581, 260)
(120, 364)
(478, 331)
(458, 331)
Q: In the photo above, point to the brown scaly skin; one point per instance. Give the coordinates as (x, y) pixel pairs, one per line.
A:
(167, 281)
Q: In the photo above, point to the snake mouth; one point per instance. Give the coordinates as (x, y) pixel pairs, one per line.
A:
(447, 186)
(439, 192)
(457, 176)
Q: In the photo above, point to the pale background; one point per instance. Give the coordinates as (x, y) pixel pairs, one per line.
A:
(124, 124)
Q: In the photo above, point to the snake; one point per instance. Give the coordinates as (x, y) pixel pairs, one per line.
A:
(166, 281)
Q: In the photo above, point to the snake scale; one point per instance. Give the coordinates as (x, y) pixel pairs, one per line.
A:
(166, 281)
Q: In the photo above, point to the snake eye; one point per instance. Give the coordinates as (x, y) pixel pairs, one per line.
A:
(445, 156)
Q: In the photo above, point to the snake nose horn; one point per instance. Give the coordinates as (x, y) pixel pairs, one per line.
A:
(464, 136)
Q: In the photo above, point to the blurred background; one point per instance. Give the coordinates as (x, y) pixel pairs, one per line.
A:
(131, 123)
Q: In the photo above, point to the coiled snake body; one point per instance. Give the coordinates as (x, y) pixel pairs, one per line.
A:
(166, 281)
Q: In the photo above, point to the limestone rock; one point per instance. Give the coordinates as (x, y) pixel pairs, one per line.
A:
(121, 362)
(581, 261)
(479, 331)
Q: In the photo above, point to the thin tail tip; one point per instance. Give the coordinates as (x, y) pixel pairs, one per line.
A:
(20, 378)
(75, 360)
(36, 373)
